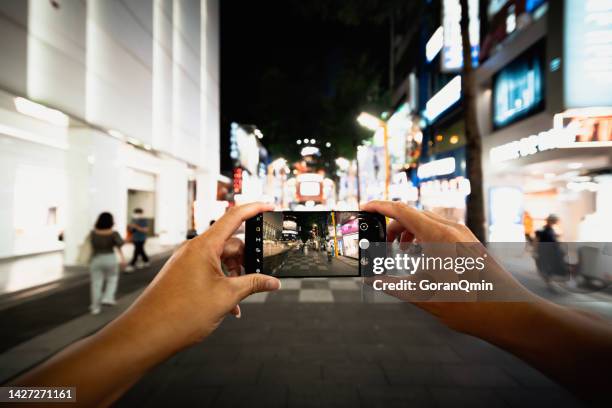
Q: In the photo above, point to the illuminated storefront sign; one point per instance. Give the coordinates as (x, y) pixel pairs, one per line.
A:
(518, 89)
(434, 45)
(452, 50)
(435, 168)
(444, 99)
(351, 227)
(587, 44)
(445, 193)
(591, 131)
(576, 132)
(237, 180)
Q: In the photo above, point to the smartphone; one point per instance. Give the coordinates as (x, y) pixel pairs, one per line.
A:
(302, 244)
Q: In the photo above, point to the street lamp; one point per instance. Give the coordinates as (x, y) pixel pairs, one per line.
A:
(374, 123)
(299, 142)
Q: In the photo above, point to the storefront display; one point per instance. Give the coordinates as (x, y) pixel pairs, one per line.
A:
(350, 238)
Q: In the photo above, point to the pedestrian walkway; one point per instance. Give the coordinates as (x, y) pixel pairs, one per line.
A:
(316, 342)
(310, 354)
(314, 263)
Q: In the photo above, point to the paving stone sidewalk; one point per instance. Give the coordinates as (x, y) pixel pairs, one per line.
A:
(342, 354)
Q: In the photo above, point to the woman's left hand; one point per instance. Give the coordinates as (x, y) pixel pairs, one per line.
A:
(191, 295)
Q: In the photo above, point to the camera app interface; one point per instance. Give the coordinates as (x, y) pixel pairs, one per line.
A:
(309, 244)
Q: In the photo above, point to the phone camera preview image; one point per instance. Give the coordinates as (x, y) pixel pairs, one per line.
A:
(310, 243)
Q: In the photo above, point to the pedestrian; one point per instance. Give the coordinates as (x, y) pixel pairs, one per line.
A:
(550, 257)
(104, 266)
(139, 228)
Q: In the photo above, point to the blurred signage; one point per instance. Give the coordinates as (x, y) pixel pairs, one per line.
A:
(237, 180)
(244, 148)
(518, 89)
(587, 45)
(445, 193)
(435, 168)
(591, 130)
(444, 99)
(452, 49)
(570, 132)
(547, 140)
(310, 188)
(434, 45)
(350, 227)
(290, 225)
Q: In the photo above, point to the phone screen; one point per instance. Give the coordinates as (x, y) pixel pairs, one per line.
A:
(310, 243)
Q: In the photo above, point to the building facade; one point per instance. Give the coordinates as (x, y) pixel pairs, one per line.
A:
(106, 106)
(545, 106)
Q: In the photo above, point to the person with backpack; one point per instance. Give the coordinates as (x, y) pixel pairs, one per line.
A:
(139, 227)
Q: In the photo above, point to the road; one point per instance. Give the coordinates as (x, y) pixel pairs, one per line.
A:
(315, 263)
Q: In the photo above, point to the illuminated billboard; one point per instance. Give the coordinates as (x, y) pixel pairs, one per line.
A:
(518, 89)
(452, 49)
(587, 45)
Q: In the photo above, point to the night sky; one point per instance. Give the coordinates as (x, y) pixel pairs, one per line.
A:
(301, 69)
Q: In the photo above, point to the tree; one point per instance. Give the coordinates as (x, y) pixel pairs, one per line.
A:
(475, 218)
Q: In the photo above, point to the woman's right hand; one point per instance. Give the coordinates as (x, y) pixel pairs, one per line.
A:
(465, 312)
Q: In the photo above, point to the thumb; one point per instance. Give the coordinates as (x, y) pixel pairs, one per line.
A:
(253, 283)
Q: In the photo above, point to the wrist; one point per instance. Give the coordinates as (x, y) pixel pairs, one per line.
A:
(501, 322)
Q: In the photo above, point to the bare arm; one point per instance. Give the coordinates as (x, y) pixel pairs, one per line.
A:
(563, 343)
(569, 346)
(186, 302)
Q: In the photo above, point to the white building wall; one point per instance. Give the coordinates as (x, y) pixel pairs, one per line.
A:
(208, 208)
(146, 68)
(162, 76)
(120, 67)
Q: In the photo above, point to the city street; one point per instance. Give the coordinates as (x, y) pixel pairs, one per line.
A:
(315, 263)
(461, 150)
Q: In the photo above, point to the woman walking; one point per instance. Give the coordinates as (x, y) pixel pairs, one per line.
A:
(104, 267)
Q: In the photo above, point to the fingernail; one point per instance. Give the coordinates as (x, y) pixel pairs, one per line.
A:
(273, 284)
(239, 315)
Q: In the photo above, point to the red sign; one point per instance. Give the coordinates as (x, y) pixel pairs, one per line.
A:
(237, 180)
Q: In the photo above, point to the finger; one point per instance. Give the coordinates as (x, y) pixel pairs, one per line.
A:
(223, 229)
(253, 283)
(411, 218)
(394, 230)
(405, 240)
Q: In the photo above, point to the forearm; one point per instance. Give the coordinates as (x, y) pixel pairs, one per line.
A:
(558, 341)
(100, 366)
